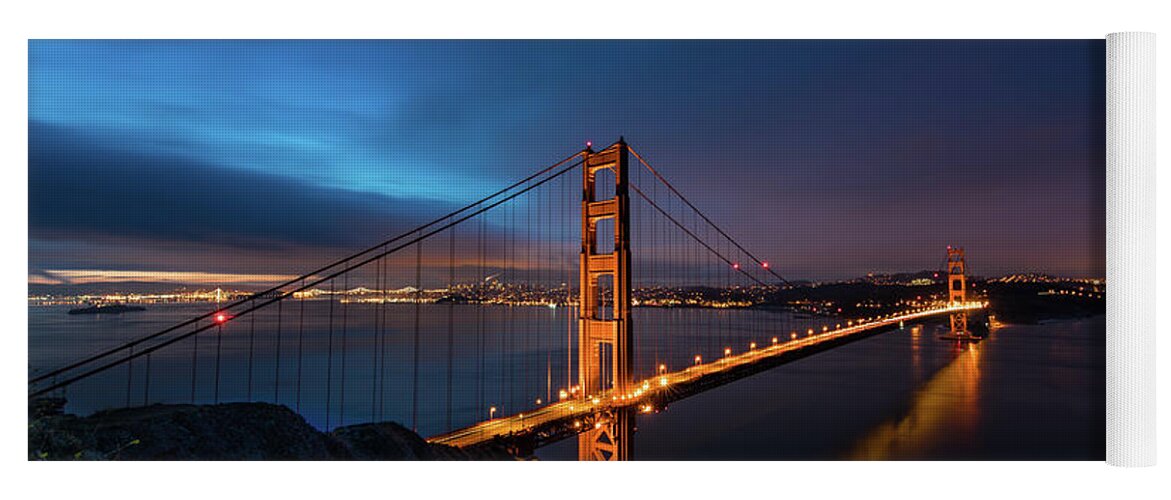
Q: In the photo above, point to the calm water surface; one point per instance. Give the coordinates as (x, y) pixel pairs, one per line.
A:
(1027, 392)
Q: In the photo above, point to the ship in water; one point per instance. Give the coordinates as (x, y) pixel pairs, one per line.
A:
(106, 309)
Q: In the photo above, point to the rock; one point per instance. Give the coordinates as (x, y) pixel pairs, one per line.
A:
(235, 431)
(391, 441)
(46, 407)
(383, 441)
(232, 431)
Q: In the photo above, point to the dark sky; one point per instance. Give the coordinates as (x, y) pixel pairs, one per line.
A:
(828, 158)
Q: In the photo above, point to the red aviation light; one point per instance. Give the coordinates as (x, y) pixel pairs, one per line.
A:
(221, 318)
(764, 264)
(736, 265)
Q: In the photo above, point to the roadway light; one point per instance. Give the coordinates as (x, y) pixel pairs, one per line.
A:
(752, 346)
(662, 368)
(491, 411)
(698, 359)
(727, 351)
(774, 340)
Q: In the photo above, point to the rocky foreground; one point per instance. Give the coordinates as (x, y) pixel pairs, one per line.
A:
(231, 431)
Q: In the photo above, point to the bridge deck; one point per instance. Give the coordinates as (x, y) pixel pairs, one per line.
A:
(667, 386)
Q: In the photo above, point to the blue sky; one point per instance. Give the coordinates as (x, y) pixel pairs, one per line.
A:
(831, 158)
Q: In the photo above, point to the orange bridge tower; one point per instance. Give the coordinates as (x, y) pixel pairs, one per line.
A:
(605, 342)
(957, 292)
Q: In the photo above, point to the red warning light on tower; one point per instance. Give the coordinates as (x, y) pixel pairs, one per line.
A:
(764, 264)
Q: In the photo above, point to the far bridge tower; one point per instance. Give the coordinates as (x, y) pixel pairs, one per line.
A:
(957, 293)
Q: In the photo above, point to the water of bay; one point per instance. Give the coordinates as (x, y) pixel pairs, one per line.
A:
(1027, 392)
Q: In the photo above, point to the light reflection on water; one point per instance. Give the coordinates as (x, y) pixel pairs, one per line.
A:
(1028, 392)
(947, 404)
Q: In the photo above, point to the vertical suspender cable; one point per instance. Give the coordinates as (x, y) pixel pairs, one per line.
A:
(251, 341)
(530, 289)
(276, 384)
(450, 317)
(566, 245)
(219, 342)
(539, 325)
(480, 318)
(545, 292)
(341, 406)
(146, 383)
(655, 267)
(510, 257)
(194, 364)
(415, 363)
(329, 359)
(382, 352)
(129, 377)
(300, 343)
(374, 362)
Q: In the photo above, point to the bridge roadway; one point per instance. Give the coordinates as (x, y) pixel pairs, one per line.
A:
(572, 415)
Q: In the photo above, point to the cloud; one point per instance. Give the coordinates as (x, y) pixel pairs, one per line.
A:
(125, 212)
(81, 188)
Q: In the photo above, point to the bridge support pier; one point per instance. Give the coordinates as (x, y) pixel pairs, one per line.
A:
(610, 440)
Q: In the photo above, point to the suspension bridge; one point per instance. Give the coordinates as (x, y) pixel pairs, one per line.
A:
(492, 340)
